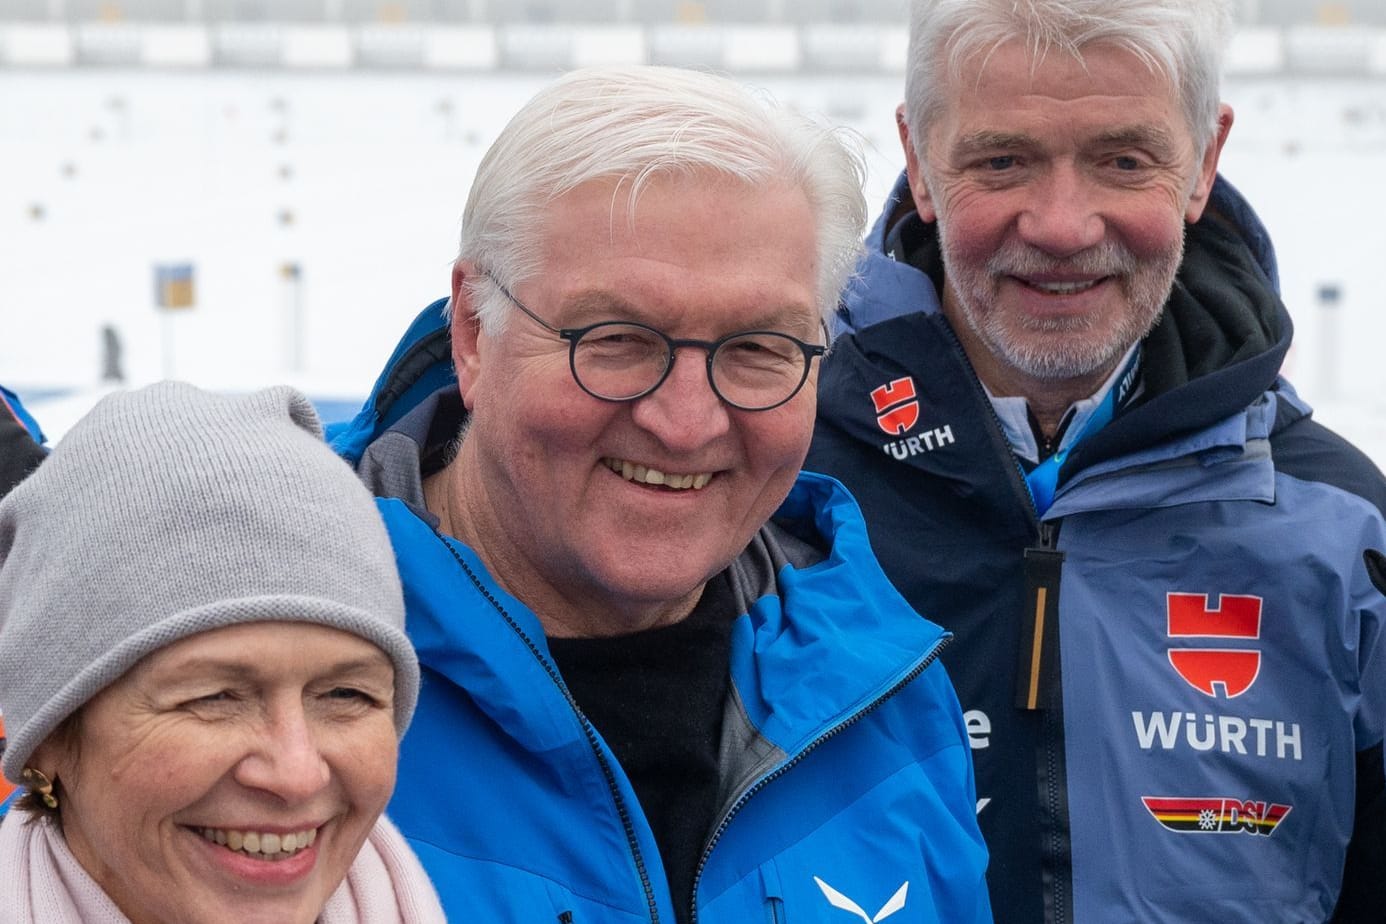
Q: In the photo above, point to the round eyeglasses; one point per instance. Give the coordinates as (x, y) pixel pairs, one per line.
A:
(752, 370)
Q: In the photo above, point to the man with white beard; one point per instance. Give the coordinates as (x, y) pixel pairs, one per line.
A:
(1061, 412)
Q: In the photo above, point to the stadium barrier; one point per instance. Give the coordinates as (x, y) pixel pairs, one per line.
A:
(1314, 50)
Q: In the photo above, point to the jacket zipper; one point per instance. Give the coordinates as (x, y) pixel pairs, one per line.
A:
(1039, 621)
(1054, 892)
(1053, 773)
(783, 768)
(1018, 481)
(608, 774)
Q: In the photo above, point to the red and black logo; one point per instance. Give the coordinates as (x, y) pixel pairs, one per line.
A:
(1216, 816)
(897, 406)
(1233, 670)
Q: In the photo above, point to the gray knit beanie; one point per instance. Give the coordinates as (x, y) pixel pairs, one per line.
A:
(169, 511)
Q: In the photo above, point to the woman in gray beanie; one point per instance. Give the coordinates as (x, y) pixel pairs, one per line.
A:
(203, 674)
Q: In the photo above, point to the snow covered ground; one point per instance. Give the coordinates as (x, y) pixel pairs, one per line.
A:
(358, 180)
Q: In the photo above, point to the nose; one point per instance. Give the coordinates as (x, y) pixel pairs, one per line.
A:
(285, 758)
(684, 413)
(1062, 216)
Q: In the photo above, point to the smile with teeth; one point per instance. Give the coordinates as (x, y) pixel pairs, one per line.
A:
(258, 845)
(1062, 288)
(642, 474)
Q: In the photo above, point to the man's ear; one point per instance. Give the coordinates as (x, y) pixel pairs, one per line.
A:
(1208, 168)
(923, 201)
(466, 331)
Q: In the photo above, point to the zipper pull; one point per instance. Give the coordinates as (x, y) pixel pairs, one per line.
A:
(1038, 650)
(565, 917)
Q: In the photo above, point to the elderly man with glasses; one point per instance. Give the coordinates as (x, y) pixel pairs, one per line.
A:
(664, 678)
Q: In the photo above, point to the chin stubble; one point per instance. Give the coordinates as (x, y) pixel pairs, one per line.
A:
(1145, 286)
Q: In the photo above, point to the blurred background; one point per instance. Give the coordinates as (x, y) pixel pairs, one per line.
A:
(243, 192)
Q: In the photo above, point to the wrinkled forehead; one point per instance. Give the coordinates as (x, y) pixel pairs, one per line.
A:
(995, 83)
(1079, 64)
(627, 198)
(666, 239)
(258, 647)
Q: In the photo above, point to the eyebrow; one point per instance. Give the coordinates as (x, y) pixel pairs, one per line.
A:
(594, 306)
(1131, 136)
(989, 140)
(1138, 136)
(203, 668)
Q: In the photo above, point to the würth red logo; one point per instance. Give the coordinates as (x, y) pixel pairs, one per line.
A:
(897, 407)
(1233, 670)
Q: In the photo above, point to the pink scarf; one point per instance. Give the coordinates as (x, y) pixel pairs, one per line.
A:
(44, 884)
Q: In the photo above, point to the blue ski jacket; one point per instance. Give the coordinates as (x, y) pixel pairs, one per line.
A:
(846, 784)
(1174, 680)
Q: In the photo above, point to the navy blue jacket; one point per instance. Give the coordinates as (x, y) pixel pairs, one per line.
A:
(1187, 724)
(21, 441)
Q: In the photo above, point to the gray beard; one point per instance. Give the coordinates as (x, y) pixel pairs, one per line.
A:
(1146, 286)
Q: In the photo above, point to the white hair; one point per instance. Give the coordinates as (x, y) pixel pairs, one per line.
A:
(1184, 40)
(633, 124)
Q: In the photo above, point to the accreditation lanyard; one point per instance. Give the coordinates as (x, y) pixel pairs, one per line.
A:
(1043, 479)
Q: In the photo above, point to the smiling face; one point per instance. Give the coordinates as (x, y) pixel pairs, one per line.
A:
(1060, 190)
(560, 492)
(231, 776)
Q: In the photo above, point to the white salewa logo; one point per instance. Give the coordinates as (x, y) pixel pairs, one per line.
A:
(838, 900)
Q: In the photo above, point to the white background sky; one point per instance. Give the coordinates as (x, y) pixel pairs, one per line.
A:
(360, 180)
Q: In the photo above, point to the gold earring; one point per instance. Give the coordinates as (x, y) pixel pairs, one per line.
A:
(41, 785)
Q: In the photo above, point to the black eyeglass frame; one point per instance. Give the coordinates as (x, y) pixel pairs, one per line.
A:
(574, 334)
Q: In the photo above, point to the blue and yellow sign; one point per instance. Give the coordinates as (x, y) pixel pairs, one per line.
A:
(173, 285)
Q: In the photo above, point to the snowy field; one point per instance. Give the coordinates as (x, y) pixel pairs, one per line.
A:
(359, 181)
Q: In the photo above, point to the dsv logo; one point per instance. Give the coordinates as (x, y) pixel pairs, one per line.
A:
(838, 900)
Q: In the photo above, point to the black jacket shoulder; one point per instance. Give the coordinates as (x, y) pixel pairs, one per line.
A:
(19, 453)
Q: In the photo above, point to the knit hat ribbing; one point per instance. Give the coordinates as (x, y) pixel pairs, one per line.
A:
(169, 511)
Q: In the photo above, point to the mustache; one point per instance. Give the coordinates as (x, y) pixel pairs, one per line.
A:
(1108, 258)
